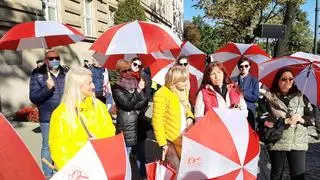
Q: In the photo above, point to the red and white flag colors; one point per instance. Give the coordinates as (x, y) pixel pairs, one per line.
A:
(305, 68)
(137, 37)
(232, 52)
(220, 146)
(16, 161)
(160, 171)
(98, 159)
(111, 60)
(160, 68)
(39, 34)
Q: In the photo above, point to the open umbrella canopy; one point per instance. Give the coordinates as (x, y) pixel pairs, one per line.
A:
(111, 60)
(39, 34)
(16, 159)
(305, 68)
(232, 52)
(98, 159)
(136, 37)
(220, 146)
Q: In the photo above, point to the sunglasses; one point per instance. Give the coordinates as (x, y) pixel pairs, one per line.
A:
(244, 66)
(287, 79)
(137, 65)
(183, 64)
(126, 70)
(52, 58)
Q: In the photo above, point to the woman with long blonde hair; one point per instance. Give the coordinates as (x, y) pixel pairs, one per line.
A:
(80, 116)
(172, 113)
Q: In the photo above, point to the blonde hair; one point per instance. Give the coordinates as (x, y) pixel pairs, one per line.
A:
(176, 74)
(72, 95)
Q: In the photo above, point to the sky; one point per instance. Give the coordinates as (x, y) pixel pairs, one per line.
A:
(190, 11)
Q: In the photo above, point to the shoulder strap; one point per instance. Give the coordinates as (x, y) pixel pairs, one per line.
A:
(81, 117)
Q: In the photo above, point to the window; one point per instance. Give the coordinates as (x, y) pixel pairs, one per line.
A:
(50, 10)
(87, 18)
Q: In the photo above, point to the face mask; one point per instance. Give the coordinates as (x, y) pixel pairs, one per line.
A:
(54, 64)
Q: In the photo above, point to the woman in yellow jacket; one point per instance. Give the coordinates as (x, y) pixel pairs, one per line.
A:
(172, 113)
(68, 133)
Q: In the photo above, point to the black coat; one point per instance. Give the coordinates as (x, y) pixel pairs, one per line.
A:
(128, 104)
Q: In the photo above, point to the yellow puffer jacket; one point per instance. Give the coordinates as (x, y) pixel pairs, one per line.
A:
(166, 118)
(65, 141)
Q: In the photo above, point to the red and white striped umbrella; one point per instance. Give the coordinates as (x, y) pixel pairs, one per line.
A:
(220, 146)
(167, 59)
(39, 34)
(306, 72)
(98, 159)
(232, 52)
(137, 37)
(16, 159)
(196, 57)
(160, 68)
(111, 60)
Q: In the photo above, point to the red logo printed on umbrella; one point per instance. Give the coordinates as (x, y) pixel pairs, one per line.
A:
(194, 160)
(78, 174)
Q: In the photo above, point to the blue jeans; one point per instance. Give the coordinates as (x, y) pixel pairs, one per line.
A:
(45, 151)
(139, 150)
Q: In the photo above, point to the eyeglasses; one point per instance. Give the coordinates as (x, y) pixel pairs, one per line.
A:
(183, 64)
(52, 58)
(244, 66)
(137, 65)
(287, 79)
(126, 70)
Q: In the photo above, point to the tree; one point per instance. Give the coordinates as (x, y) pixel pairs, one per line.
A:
(240, 16)
(129, 10)
(301, 38)
(191, 33)
(210, 38)
(291, 10)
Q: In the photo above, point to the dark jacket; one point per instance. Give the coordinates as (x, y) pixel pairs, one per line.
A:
(45, 99)
(97, 79)
(127, 116)
(250, 88)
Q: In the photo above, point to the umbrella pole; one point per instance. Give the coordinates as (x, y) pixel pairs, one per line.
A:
(44, 52)
(304, 87)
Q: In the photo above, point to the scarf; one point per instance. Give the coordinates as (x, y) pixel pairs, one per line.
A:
(183, 97)
(129, 84)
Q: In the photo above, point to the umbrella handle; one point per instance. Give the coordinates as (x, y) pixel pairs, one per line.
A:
(45, 161)
(49, 75)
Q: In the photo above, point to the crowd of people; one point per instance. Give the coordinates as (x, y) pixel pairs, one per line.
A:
(75, 106)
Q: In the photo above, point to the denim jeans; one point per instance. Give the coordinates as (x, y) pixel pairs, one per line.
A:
(139, 150)
(45, 151)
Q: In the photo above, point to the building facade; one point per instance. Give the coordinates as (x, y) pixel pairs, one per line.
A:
(91, 17)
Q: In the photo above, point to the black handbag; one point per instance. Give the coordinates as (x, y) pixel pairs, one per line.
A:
(272, 134)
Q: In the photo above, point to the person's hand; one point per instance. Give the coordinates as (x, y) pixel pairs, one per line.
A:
(165, 149)
(141, 85)
(297, 118)
(189, 122)
(290, 121)
(50, 83)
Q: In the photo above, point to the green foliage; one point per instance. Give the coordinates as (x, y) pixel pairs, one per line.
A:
(191, 33)
(301, 38)
(128, 11)
(236, 20)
